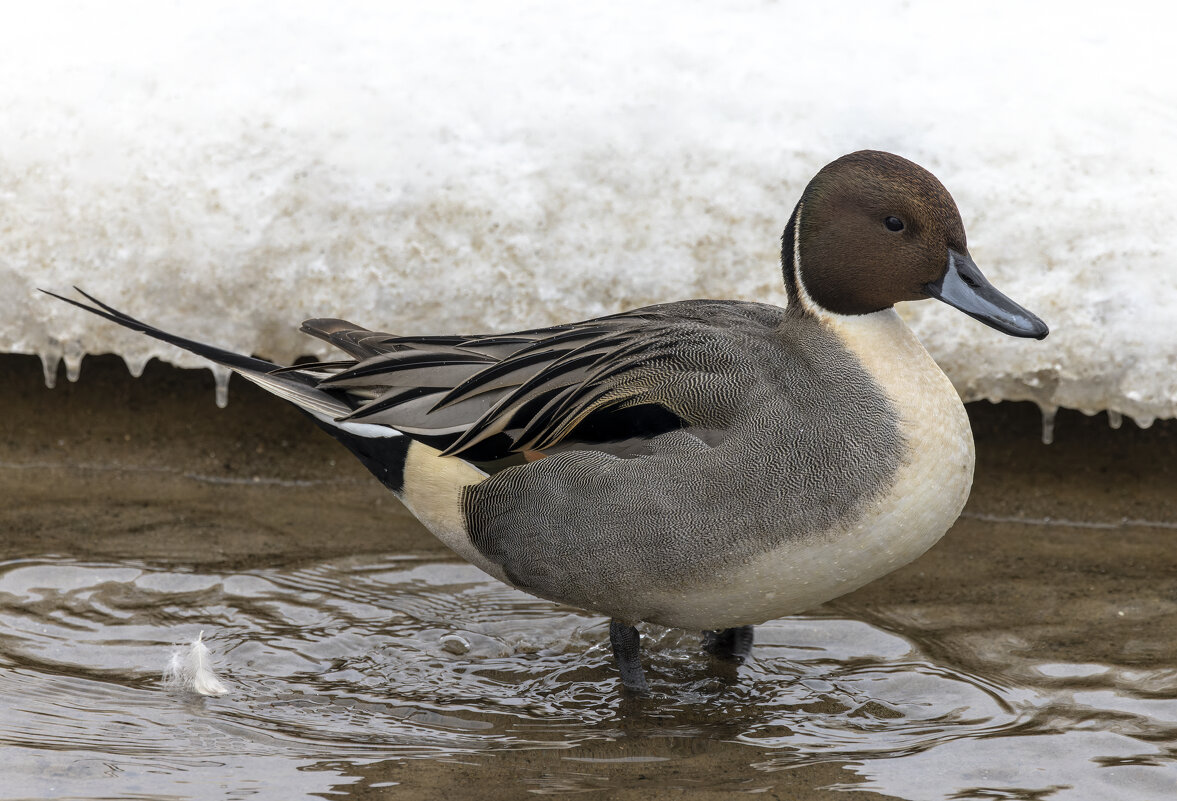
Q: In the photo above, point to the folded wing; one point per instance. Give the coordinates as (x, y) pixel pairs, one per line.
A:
(487, 397)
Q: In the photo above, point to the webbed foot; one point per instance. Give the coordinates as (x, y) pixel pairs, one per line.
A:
(733, 645)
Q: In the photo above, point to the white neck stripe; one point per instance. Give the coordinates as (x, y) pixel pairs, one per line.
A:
(807, 301)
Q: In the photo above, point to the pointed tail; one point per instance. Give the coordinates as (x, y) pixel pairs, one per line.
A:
(300, 388)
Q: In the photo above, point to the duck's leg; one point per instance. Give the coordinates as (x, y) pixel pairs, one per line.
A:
(734, 645)
(627, 650)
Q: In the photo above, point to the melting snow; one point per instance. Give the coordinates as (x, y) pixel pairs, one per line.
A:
(227, 170)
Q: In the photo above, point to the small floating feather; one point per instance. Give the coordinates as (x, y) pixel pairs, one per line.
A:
(190, 669)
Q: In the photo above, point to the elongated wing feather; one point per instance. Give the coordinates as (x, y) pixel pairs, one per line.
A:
(491, 396)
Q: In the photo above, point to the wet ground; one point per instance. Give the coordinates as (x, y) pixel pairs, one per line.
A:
(1032, 654)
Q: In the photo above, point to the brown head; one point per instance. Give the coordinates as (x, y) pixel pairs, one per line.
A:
(873, 229)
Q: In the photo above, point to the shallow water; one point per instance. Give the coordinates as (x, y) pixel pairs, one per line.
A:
(339, 666)
(1031, 655)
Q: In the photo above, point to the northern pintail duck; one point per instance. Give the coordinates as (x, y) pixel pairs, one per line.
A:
(707, 464)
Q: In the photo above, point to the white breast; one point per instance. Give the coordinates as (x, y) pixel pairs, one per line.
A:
(930, 489)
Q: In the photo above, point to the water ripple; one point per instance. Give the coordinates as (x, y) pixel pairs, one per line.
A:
(361, 660)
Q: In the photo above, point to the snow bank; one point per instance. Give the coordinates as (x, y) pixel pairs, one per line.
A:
(227, 170)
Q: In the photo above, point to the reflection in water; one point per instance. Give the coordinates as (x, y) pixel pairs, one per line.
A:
(341, 670)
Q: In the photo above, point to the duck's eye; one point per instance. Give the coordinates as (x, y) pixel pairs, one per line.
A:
(893, 224)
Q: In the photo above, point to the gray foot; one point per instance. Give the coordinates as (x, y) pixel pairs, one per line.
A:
(627, 650)
(733, 645)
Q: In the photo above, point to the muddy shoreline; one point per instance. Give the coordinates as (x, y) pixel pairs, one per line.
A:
(161, 439)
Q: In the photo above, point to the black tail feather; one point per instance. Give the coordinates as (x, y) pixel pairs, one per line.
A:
(219, 355)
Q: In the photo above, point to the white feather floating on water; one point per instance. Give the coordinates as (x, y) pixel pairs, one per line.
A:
(190, 669)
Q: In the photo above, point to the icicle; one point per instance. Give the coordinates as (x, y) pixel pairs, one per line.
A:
(221, 376)
(136, 364)
(73, 366)
(1048, 413)
(1115, 419)
(49, 363)
(189, 668)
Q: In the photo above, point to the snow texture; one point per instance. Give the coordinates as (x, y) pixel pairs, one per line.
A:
(226, 170)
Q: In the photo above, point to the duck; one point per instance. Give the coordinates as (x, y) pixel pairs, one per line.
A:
(704, 464)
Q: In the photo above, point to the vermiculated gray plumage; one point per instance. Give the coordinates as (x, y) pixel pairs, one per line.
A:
(752, 383)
